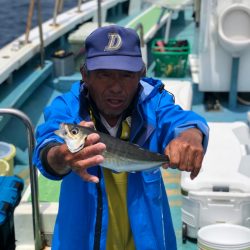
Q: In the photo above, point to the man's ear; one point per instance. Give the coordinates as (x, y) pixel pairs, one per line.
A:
(143, 70)
(84, 73)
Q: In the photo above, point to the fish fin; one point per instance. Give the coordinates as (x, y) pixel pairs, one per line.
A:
(59, 133)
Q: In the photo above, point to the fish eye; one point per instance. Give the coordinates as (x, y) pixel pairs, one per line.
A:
(74, 131)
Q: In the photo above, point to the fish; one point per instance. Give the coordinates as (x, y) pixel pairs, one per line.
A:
(119, 156)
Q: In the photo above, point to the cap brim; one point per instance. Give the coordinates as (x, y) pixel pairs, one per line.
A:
(128, 63)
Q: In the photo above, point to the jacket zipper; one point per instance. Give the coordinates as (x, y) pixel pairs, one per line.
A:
(98, 225)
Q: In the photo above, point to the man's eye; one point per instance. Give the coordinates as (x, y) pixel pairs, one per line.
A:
(128, 75)
(104, 75)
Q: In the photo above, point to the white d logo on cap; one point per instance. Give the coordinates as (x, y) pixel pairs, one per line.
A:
(115, 42)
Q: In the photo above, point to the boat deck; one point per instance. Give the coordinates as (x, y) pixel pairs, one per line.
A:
(49, 195)
(43, 94)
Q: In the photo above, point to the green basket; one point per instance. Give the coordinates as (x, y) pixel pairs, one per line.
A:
(171, 58)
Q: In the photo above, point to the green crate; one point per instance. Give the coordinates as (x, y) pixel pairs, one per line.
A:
(171, 58)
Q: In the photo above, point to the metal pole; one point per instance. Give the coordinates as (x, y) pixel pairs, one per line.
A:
(99, 13)
(139, 27)
(234, 83)
(79, 5)
(56, 11)
(29, 20)
(61, 6)
(33, 174)
(167, 31)
(40, 22)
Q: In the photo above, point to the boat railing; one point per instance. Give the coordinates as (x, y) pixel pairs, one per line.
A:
(59, 7)
(17, 53)
(33, 173)
(139, 27)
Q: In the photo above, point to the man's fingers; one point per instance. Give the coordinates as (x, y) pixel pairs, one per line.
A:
(174, 157)
(81, 167)
(91, 161)
(197, 165)
(91, 139)
(90, 155)
(92, 150)
(89, 151)
(187, 163)
(194, 173)
(87, 177)
(89, 124)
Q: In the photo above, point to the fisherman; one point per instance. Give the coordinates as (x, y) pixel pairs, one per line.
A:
(100, 208)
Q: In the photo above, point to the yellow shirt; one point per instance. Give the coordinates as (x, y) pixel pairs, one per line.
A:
(119, 236)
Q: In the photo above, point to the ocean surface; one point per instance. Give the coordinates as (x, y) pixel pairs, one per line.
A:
(14, 13)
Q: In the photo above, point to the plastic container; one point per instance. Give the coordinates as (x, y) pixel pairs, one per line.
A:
(7, 153)
(4, 167)
(171, 58)
(63, 63)
(224, 237)
(11, 188)
(221, 191)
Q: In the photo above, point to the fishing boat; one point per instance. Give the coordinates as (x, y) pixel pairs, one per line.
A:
(200, 51)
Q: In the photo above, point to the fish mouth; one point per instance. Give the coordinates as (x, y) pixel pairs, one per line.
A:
(75, 145)
(73, 148)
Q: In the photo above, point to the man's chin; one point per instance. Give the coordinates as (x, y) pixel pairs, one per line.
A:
(112, 114)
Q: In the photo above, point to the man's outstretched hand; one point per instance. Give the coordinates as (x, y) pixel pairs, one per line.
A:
(186, 152)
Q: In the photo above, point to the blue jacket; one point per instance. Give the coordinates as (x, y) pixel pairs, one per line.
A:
(82, 219)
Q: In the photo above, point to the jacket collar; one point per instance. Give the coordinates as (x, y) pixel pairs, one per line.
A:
(141, 129)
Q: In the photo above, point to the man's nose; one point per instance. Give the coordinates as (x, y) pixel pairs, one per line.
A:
(116, 87)
(116, 83)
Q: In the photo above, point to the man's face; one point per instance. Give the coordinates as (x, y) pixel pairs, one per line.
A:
(112, 91)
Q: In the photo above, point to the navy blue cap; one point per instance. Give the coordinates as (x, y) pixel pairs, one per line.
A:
(113, 47)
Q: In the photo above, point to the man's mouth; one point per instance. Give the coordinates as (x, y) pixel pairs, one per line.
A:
(115, 102)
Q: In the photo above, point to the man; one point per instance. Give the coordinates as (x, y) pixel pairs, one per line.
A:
(100, 209)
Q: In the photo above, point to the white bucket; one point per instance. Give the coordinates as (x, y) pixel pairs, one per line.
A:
(7, 153)
(4, 167)
(224, 237)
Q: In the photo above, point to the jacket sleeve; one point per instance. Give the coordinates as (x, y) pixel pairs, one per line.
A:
(63, 109)
(172, 120)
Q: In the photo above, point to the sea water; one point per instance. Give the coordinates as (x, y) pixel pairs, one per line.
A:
(14, 13)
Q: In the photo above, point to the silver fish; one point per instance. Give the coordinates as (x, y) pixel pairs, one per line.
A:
(120, 156)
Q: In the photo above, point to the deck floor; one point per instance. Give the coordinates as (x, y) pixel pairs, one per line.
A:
(172, 184)
(49, 192)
